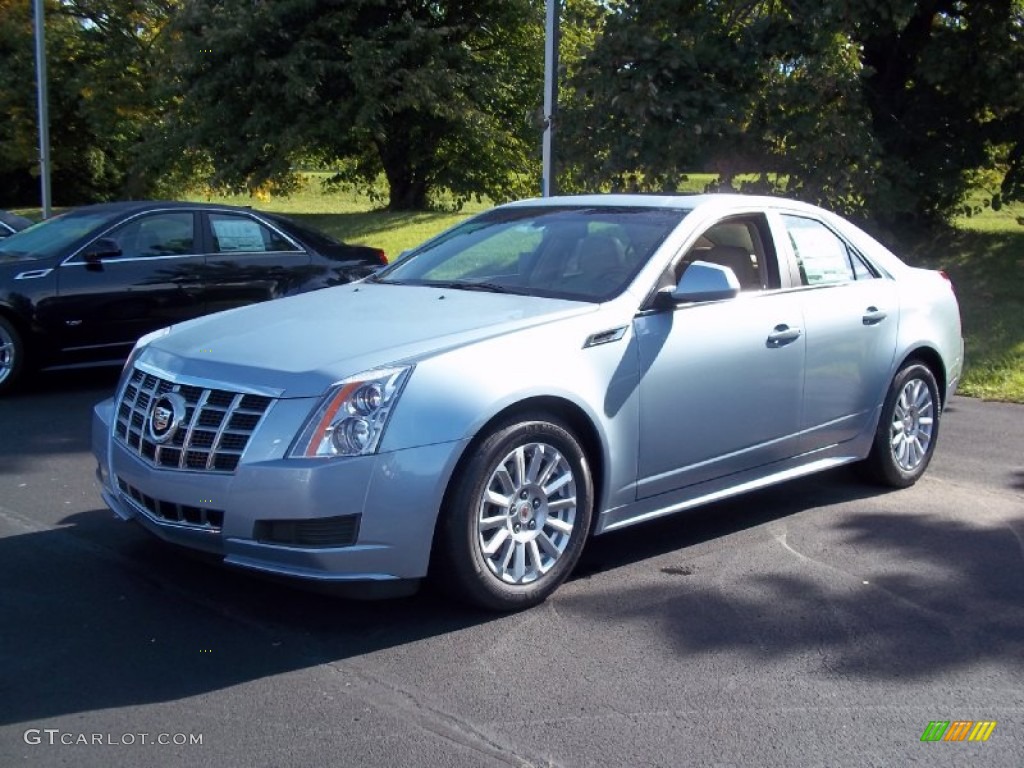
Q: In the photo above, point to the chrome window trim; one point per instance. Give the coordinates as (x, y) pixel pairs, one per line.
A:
(123, 259)
(218, 254)
(855, 252)
(69, 259)
(261, 220)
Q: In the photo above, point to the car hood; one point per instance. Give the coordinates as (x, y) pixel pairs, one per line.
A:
(13, 263)
(300, 346)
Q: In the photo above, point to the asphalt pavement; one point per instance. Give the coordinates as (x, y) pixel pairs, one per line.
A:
(818, 623)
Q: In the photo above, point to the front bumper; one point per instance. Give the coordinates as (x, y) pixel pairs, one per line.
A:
(394, 496)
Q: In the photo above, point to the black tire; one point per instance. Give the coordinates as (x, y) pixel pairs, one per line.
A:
(908, 429)
(556, 526)
(12, 356)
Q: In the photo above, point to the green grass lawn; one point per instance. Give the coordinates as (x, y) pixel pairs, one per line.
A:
(353, 217)
(984, 257)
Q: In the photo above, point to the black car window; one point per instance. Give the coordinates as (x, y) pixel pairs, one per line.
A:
(157, 234)
(822, 257)
(243, 234)
(49, 238)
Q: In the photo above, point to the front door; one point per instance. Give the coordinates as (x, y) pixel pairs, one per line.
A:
(720, 389)
(103, 306)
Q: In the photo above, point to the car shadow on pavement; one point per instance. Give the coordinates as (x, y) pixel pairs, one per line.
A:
(886, 594)
(99, 615)
(51, 414)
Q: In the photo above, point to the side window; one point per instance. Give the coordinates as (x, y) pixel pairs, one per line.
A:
(241, 234)
(738, 244)
(822, 257)
(158, 234)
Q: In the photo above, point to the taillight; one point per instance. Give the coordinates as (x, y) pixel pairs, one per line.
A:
(948, 279)
(383, 257)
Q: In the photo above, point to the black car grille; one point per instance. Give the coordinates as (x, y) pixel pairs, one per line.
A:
(195, 517)
(211, 437)
(340, 531)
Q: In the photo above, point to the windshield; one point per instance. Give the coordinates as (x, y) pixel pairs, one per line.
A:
(48, 238)
(586, 253)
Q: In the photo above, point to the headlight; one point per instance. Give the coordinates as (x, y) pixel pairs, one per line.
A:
(351, 419)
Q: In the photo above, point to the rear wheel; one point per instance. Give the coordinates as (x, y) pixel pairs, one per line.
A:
(518, 516)
(907, 430)
(12, 356)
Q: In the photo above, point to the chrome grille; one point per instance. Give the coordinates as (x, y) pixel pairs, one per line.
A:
(213, 435)
(194, 517)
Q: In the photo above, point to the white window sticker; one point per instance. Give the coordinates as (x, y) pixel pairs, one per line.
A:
(237, 235)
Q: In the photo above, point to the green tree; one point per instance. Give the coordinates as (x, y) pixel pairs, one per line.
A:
(434, 95)
(102, 58)
(667, 89)
(890, 107)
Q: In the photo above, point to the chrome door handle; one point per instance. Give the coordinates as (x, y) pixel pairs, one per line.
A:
(874, 315)
(782, 335)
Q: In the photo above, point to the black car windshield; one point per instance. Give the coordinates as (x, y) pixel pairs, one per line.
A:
(49, 238)
(589, 253)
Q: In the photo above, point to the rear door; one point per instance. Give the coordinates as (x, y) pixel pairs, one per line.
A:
(249, 260)
(851, 313)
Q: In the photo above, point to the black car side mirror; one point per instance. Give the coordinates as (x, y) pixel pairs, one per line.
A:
(104, 248)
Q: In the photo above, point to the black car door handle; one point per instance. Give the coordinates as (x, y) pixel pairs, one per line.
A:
(874, 315)
(782, 335)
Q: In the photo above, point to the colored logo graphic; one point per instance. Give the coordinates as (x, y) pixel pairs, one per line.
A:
(958, 730)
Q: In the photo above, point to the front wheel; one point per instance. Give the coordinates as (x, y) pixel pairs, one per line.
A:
(12, 356)
(517, 517)
(907, 430)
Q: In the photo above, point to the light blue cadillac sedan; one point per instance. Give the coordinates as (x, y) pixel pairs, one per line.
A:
(544, 372)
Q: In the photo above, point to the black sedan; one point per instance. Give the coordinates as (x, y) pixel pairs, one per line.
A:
(82, 287)
(11, 223)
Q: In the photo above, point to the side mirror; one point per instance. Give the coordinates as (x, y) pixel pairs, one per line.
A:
(703, 281)
(104, 248)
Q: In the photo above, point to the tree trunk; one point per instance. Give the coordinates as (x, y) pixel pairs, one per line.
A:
(406, 189)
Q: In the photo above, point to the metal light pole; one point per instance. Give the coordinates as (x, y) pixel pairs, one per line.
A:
(550, 95)
(44, 109)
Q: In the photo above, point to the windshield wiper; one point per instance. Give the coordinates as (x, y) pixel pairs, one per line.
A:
(461, 285)
(474, 286)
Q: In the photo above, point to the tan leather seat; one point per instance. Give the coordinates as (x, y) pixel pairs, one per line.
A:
(739, 261)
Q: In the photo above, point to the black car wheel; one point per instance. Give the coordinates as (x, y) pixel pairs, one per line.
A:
(907, 430)
(12, 356)
(518, 516)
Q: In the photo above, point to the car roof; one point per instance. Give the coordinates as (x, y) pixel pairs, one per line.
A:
(724, 200)
(14, 221)
(133, 206)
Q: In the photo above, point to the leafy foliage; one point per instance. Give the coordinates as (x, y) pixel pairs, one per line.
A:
(434, 95)
(102, 59)
(889, 107)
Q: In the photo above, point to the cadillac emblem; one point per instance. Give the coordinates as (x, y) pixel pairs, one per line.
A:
(165, 416)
